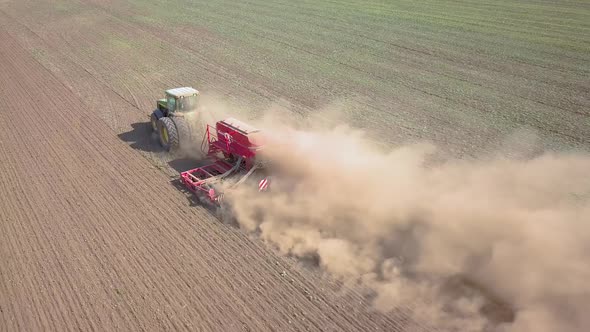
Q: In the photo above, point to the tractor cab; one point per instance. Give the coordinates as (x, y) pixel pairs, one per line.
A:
(168, 119)
(182, 100)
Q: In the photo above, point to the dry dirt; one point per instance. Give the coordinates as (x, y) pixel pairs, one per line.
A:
(93, 237)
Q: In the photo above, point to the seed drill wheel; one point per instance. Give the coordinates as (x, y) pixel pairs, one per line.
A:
(157, 114)
(168, 134)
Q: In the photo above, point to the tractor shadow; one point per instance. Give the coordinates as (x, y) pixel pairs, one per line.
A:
(141, 137)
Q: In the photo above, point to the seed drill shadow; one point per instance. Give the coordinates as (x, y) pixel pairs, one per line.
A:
(191, 198)
(184, 163)
(219, 213)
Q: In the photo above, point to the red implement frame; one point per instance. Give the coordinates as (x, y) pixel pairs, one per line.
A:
(230, 139)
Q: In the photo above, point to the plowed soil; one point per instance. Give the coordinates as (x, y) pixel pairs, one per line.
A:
(93, 236)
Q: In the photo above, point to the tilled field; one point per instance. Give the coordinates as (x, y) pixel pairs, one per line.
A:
(93, 236)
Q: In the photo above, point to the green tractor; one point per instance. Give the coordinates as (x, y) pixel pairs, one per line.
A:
(169, 119)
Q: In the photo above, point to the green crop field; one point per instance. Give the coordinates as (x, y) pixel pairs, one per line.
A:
(464, 74)
(427, 68)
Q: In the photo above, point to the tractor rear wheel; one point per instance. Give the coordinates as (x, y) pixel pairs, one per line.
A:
(156, 115)
(183, 130)
(168, 134)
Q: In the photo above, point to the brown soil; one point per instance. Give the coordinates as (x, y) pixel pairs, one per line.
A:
(94, 237)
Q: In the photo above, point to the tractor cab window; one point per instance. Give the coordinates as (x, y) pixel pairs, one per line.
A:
(187, 104)
(171, 104)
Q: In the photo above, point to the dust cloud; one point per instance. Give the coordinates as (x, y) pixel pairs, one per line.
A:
(493, 243)
(210, 109)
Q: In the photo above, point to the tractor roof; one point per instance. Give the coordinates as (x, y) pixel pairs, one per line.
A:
(182, 92)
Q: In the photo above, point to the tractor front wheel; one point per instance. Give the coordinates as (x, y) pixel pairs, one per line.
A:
(168, 134)
(156, 115)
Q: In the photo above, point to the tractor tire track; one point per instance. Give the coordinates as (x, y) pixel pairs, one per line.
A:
(88, 246)
(309, 285)
(354, 316)
(23, 166)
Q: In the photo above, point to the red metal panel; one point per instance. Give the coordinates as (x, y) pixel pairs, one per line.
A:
(231, 137)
